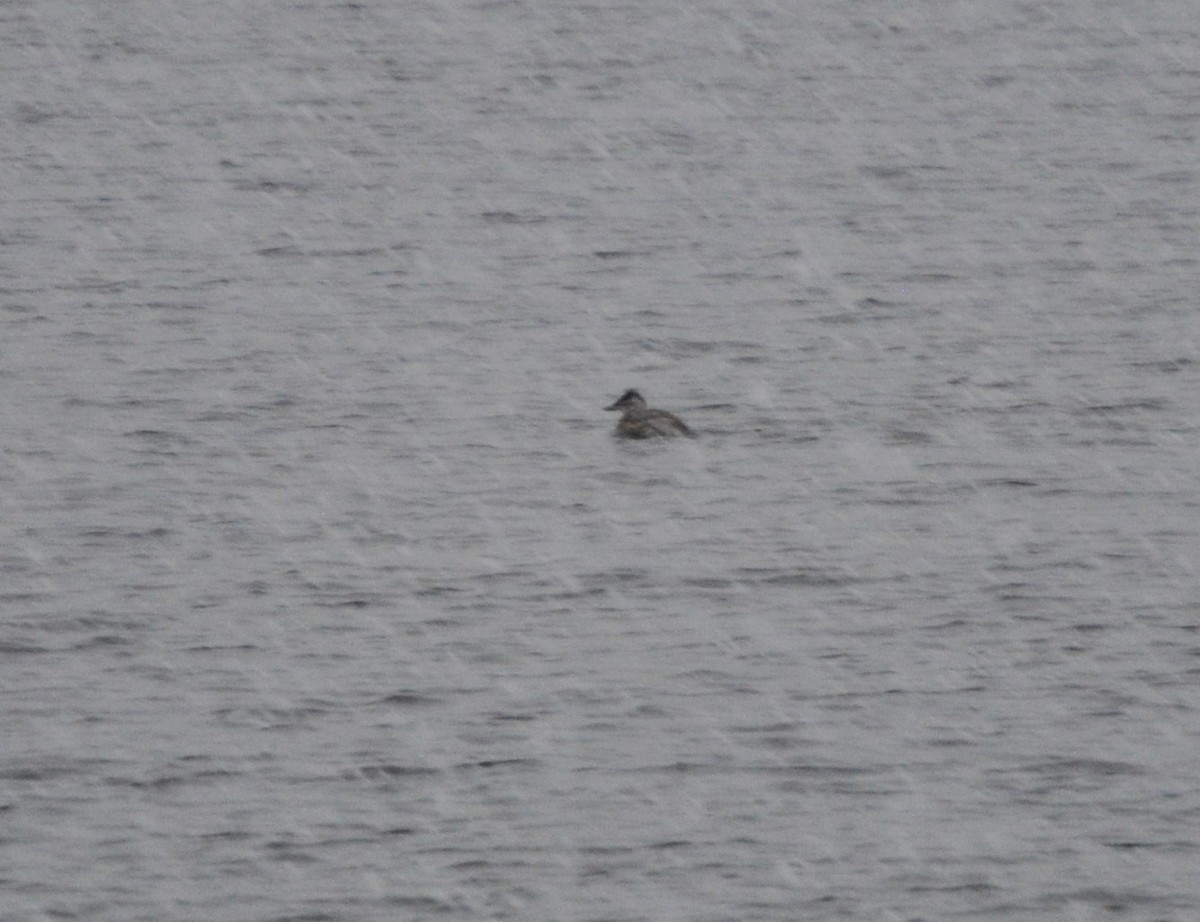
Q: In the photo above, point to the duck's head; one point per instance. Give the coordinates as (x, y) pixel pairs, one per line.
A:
(627, 401)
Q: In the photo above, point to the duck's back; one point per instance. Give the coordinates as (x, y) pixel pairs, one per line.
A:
(648, 424)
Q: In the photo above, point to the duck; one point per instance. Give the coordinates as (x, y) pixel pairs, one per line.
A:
(638, 421)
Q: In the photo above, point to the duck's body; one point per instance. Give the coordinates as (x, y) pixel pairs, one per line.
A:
(639, 421)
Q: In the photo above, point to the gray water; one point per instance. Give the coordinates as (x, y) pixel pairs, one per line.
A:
(327, 594)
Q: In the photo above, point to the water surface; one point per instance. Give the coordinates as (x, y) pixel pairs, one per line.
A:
(327, 594)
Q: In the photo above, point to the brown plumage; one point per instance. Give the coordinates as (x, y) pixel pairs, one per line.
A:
(639, 421)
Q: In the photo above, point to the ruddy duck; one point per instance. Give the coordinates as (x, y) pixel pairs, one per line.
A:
(639, 421)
